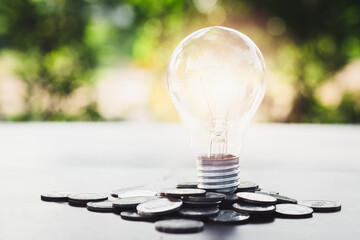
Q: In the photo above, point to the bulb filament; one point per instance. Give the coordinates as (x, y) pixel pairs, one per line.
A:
(218, 139)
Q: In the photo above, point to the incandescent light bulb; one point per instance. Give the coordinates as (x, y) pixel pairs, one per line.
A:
(216, 79)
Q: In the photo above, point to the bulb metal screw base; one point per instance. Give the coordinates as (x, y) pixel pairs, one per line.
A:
(218, 174)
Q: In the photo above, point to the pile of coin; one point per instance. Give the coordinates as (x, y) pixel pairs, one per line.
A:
(186, 208)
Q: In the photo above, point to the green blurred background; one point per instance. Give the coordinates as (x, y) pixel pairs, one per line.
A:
(93, 60)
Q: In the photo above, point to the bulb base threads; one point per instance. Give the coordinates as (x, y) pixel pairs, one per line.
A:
(218, 173)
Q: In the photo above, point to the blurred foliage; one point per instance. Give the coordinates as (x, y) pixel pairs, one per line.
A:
(327, 35)
(48, 38)
(61, 44)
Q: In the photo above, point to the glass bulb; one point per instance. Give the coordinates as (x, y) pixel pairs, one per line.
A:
(216, 79)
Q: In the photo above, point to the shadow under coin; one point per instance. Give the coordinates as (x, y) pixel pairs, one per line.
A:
(220, 231)
(261, 220)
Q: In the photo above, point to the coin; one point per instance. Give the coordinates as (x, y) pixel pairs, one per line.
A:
(280, 198)
(253, 209)
(111, 198)
(246, 186)
(187, 185)
(179, 226)
(255, 198)
(162, 192)
(115, 193)
(137, 193)
(201, 204)
(196, 212)
(209, 197)
(81, 199)
(284, 199)
(93, 197)
(288, 210)
(159, 206)
(322, 205)
(134, 216)
(180, 192)
(130, 202)
(104, 206)
(230, 217)
(55, 196)
(266, 191)
(75, 203)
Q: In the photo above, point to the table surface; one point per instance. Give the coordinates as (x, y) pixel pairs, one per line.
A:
(301, 161)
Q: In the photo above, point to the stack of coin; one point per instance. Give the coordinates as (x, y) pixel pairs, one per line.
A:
(130, 202)
(81, 199)
(103, 206)
(55, 196)
(185, 208)
(246, 186)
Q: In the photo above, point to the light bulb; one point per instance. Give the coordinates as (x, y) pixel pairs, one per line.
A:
(216, 79)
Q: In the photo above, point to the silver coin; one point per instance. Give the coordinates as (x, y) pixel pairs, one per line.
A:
(162, 192)
(55, 196)
(111, 198)
(256, 198)
(159, 206)
(196, 212)
(104, 206)
(230, 217)
(266, 191)
(253, 209)
(81, 199)
(115, 193)
(130, 202)
(247, 186)
(134, 216)
(280, 198)
(289, 210)
(182, 192)
(137, 193)
(179, 226)
(284, 199)
(322, 205)
(87, 197)
(187, 185)
(201, 204)
(75, 203)
(208, 197)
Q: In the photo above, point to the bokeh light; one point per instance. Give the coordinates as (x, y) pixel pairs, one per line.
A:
(92, 60)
